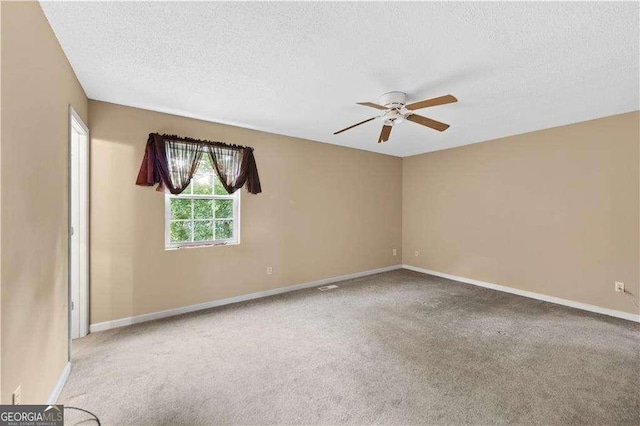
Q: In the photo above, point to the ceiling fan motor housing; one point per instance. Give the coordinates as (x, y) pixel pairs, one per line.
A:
(393, 99)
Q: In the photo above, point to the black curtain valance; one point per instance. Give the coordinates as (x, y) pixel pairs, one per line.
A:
(171, 161)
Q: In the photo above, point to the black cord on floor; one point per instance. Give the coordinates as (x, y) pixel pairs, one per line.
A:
(632, 298)
(84, 411)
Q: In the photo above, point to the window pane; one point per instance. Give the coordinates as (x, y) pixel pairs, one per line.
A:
(218, 188)
(224, 229)
(202, 184)
(203, 230)
(224, 209)
(202, 209)
(204, 166)
(181, 231)
(187, 190)
(180, 208)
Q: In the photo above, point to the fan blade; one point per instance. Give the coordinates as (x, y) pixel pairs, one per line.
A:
(442, 100)
(441, 127)
(384, 134)
(372, 105)
(357, 124)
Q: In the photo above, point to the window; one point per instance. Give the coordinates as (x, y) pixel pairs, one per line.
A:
(204, 213)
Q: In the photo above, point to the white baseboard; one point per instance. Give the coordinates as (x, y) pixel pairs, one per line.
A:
(537, 296)
(192, 308)
(55, 393)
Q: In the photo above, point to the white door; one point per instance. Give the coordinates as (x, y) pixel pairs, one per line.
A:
(78, 221)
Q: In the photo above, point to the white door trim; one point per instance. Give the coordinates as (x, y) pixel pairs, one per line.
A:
(77, 125)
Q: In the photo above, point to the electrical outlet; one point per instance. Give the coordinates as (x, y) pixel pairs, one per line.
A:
(416, 253)
(619, 287)
(269, 270)
(17, 396)
(395, 252)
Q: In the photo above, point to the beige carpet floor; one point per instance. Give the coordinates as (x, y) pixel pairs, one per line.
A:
(394, 348)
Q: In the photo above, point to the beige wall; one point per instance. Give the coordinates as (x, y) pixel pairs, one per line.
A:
(552, 212)
(38, 85)
(325, 211)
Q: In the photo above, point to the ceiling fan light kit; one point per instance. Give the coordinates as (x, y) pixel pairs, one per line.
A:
(396, 110)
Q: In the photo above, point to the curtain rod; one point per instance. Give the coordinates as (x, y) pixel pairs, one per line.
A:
(199, 141)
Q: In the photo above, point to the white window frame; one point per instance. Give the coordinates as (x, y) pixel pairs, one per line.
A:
(209, 243)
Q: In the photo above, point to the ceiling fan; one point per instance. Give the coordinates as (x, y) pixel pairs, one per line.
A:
(396, 110)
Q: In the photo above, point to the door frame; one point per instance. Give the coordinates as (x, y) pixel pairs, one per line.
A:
(76, 123)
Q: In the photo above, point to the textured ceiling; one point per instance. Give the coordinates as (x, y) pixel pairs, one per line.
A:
(299, 68)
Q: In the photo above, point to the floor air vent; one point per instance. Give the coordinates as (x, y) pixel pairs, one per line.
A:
(327, 287)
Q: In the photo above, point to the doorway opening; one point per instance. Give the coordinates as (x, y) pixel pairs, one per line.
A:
(78, 226)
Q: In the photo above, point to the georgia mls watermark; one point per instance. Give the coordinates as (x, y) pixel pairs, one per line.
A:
(31, 415)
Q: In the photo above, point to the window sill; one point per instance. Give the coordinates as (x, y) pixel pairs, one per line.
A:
(235, 243)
